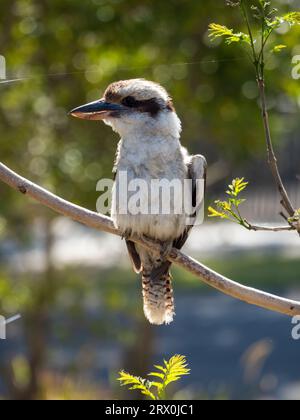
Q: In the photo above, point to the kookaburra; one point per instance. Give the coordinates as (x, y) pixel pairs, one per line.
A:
(142, 113)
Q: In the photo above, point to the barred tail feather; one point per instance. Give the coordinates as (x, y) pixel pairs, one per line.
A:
(158, 298)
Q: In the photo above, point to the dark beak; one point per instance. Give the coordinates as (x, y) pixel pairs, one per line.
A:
(97, 110)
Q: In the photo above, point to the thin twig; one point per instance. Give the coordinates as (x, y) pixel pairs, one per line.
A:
(258, 228)
(246, 18)
(284, 216)
(259, 64)
(103, 223)
(272, 160)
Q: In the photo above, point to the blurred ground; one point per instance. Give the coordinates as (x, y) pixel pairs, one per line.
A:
(77, 245)
(81, 305)
(235, 350)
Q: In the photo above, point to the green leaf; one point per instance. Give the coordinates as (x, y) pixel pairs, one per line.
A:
(278, 48)
(158, 375)
(237, 201)
(229, 209)
(172, 371)
(220, 31)
(293, 18)
(238, 185)
(215, 213)
(158, 385)
(295, 218)
(176, 368)
(224, 205)
(136, 382)
(160, 368)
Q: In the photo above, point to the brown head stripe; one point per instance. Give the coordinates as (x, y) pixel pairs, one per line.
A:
(152, 106)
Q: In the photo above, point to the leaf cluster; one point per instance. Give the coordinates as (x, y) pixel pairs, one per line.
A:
(221, 31)
(295, 218)
(268, 20)
(171, 371)
(229, 209)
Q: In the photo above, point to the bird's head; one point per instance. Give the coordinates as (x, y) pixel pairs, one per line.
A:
(133, 106)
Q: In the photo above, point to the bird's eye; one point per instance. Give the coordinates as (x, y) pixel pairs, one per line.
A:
(129, 101)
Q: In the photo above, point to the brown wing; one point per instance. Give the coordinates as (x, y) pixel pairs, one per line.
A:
(197, 169)
(134, 256)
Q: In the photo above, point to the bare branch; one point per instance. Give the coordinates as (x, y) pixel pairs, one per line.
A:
(258, 228)
(259, 64)
(272, 160)
(103, 223)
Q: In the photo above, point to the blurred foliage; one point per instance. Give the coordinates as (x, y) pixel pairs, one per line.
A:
(70, 50)
(66, 52)
(171, 371)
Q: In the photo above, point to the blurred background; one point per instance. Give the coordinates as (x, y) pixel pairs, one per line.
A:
(81, 305)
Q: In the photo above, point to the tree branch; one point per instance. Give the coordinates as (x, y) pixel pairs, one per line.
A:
(272, 160)
(259, 64)
(103, 223)
(258, 228)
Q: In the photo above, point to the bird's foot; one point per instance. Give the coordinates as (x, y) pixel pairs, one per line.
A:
(166, 248)
(149, 241)
(127, 234)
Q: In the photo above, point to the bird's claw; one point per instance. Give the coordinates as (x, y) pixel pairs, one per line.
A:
(166, 248)
(127, 234)
(149, 241)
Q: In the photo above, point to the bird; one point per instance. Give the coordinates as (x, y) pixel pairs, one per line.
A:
(143, 114)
